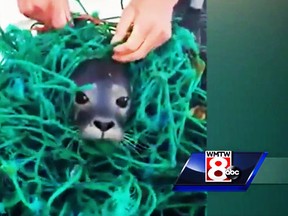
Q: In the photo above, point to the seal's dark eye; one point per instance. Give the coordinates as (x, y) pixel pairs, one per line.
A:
(122, 102)
(81, 98)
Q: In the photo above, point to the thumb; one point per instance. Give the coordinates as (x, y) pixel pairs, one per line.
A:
(126, 21)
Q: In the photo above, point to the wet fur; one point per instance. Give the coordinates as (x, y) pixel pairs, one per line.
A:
(110, 82)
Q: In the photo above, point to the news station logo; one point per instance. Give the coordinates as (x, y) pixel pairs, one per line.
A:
(219, 168)
(219, 171)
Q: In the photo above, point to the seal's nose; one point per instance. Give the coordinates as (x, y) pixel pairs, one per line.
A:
(103, 126)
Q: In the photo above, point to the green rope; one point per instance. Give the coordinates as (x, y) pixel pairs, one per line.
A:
(46, 168)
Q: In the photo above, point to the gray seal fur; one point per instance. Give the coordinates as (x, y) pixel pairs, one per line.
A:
(101, 112)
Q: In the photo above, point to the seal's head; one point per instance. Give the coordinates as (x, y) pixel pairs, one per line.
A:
(101, 112)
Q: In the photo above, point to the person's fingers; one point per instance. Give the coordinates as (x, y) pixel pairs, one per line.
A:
(137, 37)
(125, 22)
(151, 41)
(24, 7)
(59, 15)
(154, 39)
(51, 13)
(68, 13)
(34, 10)
(27, 8)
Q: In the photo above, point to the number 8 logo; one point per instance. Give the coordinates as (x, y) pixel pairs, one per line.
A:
(215, 168)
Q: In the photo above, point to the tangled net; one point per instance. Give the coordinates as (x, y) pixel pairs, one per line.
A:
(47, 169)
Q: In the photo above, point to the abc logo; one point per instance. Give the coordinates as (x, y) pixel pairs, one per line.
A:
(232, 172)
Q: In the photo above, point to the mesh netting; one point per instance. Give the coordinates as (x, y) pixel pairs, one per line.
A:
(47, 169)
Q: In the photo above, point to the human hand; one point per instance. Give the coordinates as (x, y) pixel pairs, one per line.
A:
(52, 13)
(151, 22)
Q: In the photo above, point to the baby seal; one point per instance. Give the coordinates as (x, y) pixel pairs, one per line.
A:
(101, 112)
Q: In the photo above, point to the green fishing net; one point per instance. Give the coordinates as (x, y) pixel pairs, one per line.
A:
(45, 166)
